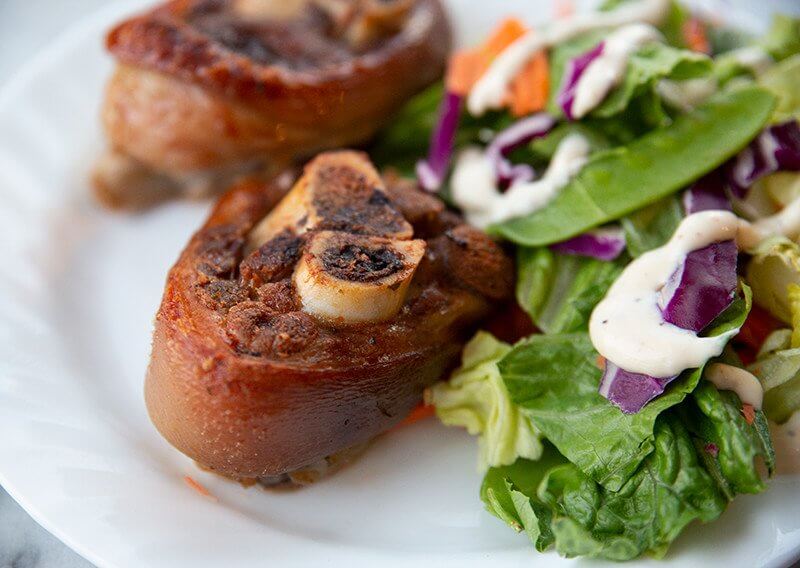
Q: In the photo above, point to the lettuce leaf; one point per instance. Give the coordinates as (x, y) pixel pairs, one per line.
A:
(716, 418)
(560, 291)
(555, 380)
(783, 38)
(774, 267)
(635, 100)
(476, 398)
(783, 80)
(406, 138)
(651, 63)
(670, 489)
(508, 493)
(678, 482)
(652, 226)
(778, 368)
(617, 182)
(780, 188)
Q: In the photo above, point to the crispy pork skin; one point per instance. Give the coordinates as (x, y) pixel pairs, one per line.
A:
(300, 323)
(207, 90)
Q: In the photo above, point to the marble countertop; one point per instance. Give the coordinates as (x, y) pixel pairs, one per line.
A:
(24, 544)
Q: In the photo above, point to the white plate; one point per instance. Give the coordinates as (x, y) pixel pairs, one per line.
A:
(78, 290)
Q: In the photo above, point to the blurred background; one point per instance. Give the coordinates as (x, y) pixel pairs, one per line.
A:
(26, 26)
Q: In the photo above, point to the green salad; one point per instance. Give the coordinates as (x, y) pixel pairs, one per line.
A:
(644, 165)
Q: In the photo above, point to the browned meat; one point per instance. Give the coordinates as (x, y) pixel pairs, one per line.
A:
(208, 90)
(280, 342)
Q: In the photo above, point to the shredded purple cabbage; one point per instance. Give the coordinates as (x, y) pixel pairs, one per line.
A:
(602, 244)
(432, 171)
(702, 287)
(777, 148)
(575, 69)
(516, 135)
(630, 391)
(707, 194)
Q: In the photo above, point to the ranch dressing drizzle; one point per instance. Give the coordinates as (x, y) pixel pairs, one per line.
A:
(608, 69)
(475, 192)
(785, 222)
(627, 326)
(754, 58)
(491, 88)
(742, 382)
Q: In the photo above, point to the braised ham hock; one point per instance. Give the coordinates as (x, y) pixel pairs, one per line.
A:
(297, 326)
(207, 90)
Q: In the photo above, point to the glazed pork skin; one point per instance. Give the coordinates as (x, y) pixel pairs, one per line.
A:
(250, 385)
(208, 90)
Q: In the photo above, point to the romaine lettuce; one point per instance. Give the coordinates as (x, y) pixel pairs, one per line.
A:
(476, 398)
(555, 380)
(774, 266)
(560, 291)
(670, 489)
(781, 188)
(652, 226)
(783, 38)
(649, 65)
(704, 453)
(778, 368)
(509, 493)
(783, 80)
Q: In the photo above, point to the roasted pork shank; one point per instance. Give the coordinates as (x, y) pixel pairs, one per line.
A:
(297, 326)
(206, 90)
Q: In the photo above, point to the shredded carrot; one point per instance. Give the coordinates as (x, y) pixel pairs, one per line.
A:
(600, 361)
(420, 412)
(191, 482)
(506, 33)
(749, 413)
(467, 66)
(563, 9)
(462, 71)
(530, 89)
(694, 34)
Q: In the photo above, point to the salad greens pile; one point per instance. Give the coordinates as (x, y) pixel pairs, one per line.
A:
(563, 464)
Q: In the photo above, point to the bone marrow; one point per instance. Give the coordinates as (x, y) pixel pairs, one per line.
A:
(352, 278)
(361, 262)
(281, 343)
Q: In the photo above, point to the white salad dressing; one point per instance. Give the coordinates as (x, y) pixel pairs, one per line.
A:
(475, 191)
(627, 326)
(490, 90)
(742, 382)
(785, 222)
(786, 439)
(754, 58)
(608, 69)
